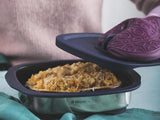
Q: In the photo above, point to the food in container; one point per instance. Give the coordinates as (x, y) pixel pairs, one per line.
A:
(76, 77)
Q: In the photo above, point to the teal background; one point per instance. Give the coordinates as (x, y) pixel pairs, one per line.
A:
(148, 95)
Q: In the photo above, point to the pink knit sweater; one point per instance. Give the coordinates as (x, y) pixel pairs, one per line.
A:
(28, 28)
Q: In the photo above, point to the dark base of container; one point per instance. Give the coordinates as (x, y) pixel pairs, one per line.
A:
(82, 115)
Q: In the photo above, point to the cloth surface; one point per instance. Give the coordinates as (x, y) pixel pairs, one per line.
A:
(10, 109)
(5, 88)
(130, 114)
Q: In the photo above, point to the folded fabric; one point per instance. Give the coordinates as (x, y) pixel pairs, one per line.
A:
(131, 114)
(135, 39)
(11, 109)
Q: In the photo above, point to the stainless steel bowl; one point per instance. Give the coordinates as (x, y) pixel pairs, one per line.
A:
(110, 101)
(91, 104)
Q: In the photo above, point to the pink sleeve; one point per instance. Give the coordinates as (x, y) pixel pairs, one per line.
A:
(146, 5)
(155, 12)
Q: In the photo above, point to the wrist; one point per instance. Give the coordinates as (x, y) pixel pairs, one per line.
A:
(155, 12)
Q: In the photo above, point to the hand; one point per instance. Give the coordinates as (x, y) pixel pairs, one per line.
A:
(135, 39)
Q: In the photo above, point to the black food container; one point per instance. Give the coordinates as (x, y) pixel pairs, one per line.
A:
(110, 101)
(84, 45)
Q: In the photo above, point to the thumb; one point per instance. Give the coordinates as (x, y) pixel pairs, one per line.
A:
(115, 30)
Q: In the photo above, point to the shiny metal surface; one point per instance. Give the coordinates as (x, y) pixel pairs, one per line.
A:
(91, 104)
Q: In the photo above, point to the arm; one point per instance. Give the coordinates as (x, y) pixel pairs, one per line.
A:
(146, 5)
(136, 38)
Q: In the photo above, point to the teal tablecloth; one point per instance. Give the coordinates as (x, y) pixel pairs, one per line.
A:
(146, 100)
(11, 109)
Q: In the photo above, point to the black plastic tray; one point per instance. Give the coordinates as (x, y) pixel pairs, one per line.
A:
(85, 45)
(18, 75)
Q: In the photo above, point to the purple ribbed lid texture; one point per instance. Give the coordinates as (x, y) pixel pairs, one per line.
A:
(135, 39)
